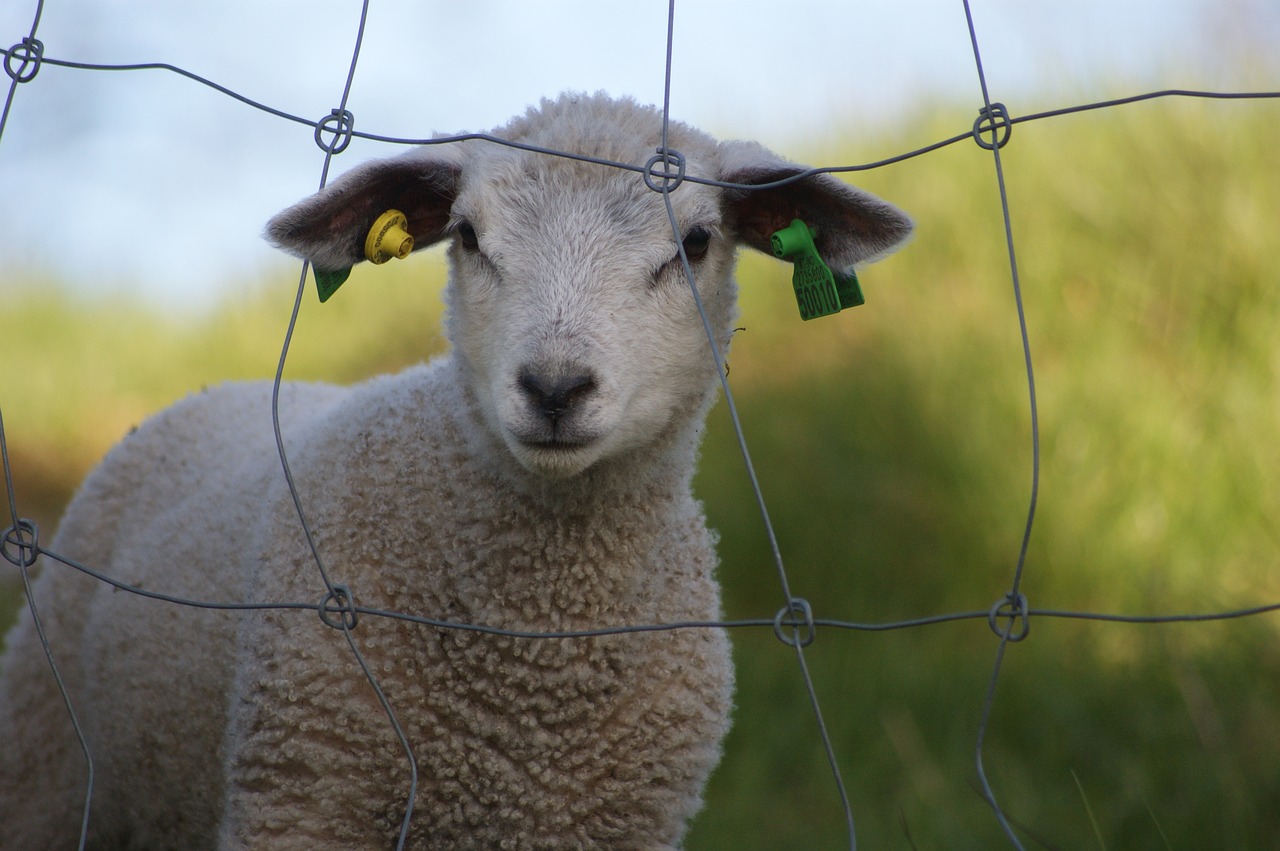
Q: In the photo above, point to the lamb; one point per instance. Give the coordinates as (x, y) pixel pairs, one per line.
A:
(535, 478)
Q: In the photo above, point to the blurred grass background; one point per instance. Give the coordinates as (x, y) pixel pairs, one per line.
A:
(893, 445)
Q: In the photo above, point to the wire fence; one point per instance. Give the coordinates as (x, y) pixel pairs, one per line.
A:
(795, 623)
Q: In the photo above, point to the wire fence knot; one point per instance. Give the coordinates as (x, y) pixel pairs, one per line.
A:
(667, 179)
(994, 120)
(338, 608)
(339, 124)
(1013, 610)
(29, 52)
(796, 613)
(21, 544)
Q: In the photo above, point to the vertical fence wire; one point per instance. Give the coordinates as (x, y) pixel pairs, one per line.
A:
(792, 604)
(28, 53)
(995, 113)
(338, 596)
(23, 535)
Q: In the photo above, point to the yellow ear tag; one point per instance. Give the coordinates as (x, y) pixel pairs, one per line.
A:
(388, 238)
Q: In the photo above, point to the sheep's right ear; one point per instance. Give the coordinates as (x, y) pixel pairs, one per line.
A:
(329, 228)
(851, 226)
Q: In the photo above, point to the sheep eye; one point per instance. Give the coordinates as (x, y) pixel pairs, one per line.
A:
(467, 236)
(696, 243)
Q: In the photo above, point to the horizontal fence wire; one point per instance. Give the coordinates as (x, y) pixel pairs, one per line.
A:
(795, 624)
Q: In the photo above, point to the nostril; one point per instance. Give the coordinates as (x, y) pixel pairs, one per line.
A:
(531, 384)
(555, 394)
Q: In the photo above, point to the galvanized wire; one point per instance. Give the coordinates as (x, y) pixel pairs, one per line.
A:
(994, 119)
(340, 124)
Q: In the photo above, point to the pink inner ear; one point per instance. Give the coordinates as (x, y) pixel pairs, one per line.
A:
(423, 190)
(427, 221)
(760, 213)
(757, 228)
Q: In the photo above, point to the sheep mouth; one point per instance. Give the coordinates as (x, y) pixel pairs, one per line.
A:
(555, 444)
(555, 457)
(556, 438)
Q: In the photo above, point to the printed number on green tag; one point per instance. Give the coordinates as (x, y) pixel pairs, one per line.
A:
(819, 291)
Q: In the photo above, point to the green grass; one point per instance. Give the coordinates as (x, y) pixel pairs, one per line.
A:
(893, 445)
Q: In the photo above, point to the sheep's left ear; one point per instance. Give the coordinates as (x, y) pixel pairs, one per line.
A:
(851, 226)
(330, 227)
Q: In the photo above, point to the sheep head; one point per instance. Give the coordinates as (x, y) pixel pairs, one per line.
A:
(570, 310)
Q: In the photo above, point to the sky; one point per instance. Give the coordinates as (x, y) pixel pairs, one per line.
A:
(148, 183)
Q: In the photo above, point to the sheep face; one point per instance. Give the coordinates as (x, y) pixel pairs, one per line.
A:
(571, 314)
(571, 310)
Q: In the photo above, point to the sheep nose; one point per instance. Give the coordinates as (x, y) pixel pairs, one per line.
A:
(554, 394)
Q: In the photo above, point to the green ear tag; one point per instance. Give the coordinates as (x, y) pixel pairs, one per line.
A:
(327, 283)
(849, 290)
(819, 292)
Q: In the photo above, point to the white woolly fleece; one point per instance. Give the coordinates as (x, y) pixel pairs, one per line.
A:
(536, 478)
